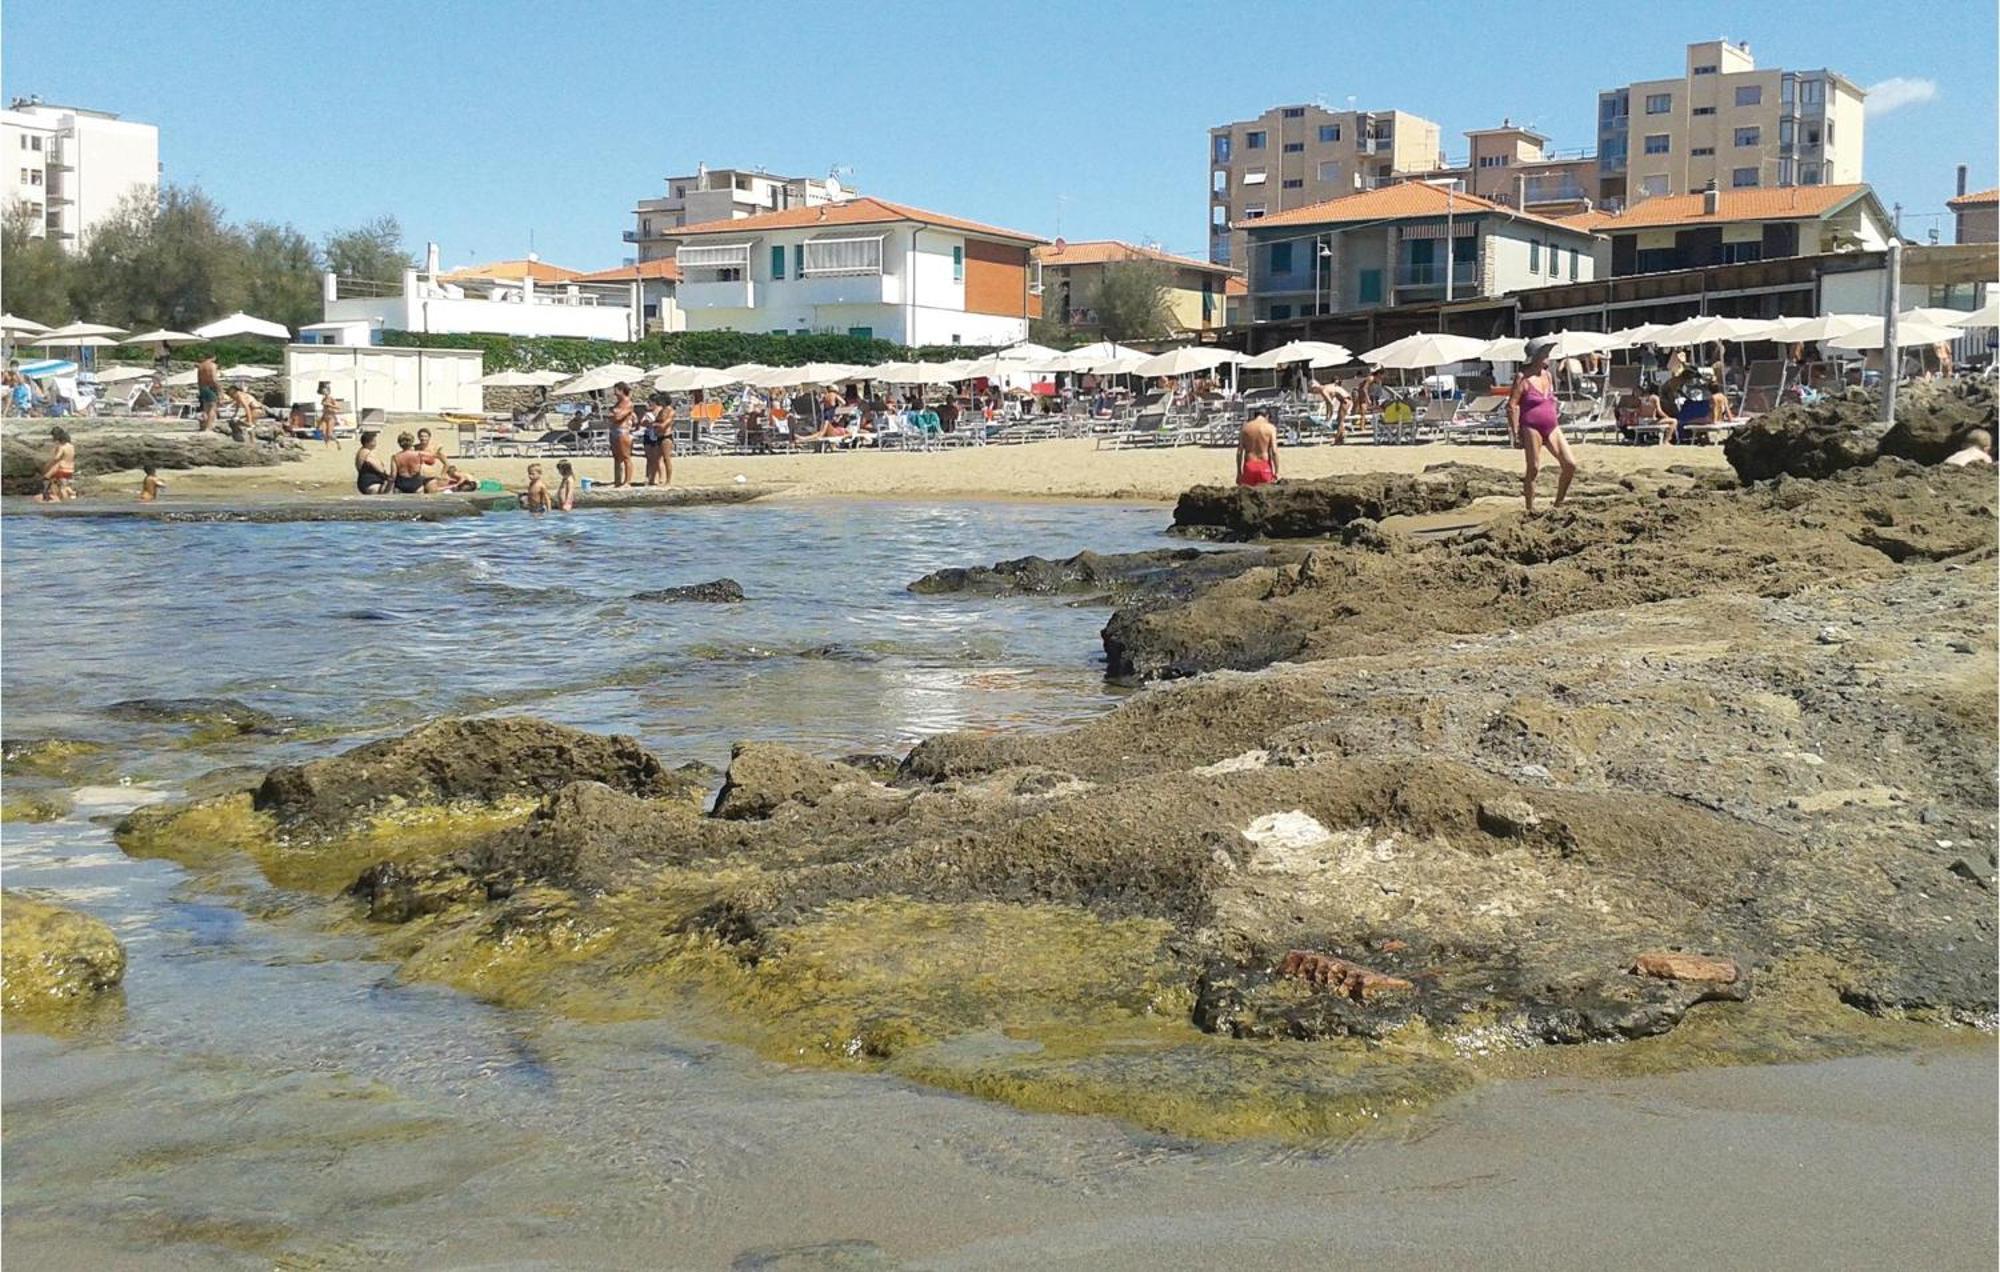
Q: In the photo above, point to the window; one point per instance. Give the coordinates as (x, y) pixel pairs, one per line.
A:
(1555, 260)
(1368, 286)
(1656, 143)
(1743, 177)
(1704, 110)
(1535, 257)
(1295, 112)
(1812, 92)
(34, 143)
(1494, 161)
(1218, 181)
(1659, 103)
(1788, 89)
(1281, 258)
(1742, 253)
(1572, 264)
(1220, 148)
(1253, 141)
(1812, 134)
(1829, 132)
(1702, 151)
(1749, 136)
(34, 176)
(1787, 133)
(777, 262)
(1294, 147)
(1654, 260)
(1294, 183)
(957, 263)
(1750, 95)
(1253, 211)
(1218, 216)
(1218, 249)
(1255, 176)
(866, 333)
(834, 256)
(1809, 174)
(799, 260)
(1654, 186)
(1704, 70)
(1281, 311)
(1329, 170)
(1329, 132)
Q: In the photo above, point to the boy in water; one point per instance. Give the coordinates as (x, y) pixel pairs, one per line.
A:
(566, 488)
(61, 471)
(537, 497)
(149, 489)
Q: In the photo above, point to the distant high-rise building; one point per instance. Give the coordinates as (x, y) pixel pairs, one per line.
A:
(1292, 156)
(72, 167)
(723, 194)
(1726, 121)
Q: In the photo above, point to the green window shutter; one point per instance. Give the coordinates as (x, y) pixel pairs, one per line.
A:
(778, 261)
(957, 264)
(799, 260)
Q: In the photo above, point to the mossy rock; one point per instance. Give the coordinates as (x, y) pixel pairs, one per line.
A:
(51, 957)
(46, 805)
(72, 760)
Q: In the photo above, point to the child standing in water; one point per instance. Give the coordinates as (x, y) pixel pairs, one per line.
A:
(61, 471)
(536, 499)
(566, 488)
(149, 489)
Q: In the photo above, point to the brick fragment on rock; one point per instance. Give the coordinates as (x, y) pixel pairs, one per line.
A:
(1672, 965)
(1348, 979)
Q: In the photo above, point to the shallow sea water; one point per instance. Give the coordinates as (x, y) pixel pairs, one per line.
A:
(265, 1095)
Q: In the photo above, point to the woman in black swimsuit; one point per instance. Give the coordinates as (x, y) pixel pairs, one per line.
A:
(409, 466)
(371, 475)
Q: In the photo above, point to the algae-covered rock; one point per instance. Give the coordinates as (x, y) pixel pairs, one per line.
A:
(447, 762)
(714, 592)
(66, 759)
(1320, 507)
(53, 957)
(18, 804)
(764, 775)
(218, 716)
(1844, 430)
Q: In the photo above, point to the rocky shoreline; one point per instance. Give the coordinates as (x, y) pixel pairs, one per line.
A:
(1704, 772)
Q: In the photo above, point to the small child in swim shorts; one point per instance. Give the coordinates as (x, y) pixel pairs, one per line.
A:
(536, 499)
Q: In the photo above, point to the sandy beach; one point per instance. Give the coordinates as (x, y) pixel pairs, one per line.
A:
(1040, 470)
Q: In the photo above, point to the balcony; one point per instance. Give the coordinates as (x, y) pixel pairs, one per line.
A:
(739, 293)
(630, 236)
(1431, 274)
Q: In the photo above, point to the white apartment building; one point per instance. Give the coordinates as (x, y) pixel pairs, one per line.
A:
(1724, 120)
(723, 194)
(72, 167)
(865, 267)
(1294, 156)
(527, 297)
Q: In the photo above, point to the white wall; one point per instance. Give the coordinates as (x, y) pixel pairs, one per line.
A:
(492, 317)
(1507, 254)
(418, 380)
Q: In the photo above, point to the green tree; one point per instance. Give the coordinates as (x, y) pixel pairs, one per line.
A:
(373, 251)
(33, 268)
(282, 274)
(172, 263)
(1131, 302)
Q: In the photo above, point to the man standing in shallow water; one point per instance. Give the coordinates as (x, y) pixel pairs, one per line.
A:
(1257, 452)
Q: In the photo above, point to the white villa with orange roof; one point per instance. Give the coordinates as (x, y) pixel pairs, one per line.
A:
(864, 267)
(1388, 247)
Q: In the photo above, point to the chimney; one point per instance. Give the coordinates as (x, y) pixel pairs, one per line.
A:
(431, 259)
(1961, 180)
(1711, 199)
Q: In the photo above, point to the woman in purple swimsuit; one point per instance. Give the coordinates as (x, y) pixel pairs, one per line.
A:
(1535, 425)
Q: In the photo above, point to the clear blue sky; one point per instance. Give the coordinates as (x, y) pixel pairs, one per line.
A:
(478, 121)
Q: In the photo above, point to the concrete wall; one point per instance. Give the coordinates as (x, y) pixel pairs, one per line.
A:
(471, 316)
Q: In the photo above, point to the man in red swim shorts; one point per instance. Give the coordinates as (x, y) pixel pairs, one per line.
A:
(1257, 452)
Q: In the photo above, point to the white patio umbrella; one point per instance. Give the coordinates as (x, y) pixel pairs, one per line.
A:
(1574, 344)
(523, 379)
(1104, 349)
(121, 374)
(1123, 364)
(892, 372)
(1186, 360)
(1505, 349)
(242, 324)
(688, 379)
(77, 342)
(1935, 315)
(1708, 327)
(1643, 333)
(1426, 349)
(770, 377)
(1027, 351)
(1907, 334)
(598, 379)
(70, 334)
(10, 325)
(1987, 315)
(247, 371)
(160, 336)
(1822, 327)
(742, 370)
(991, 367)
(181, 379)
(1317, 353)
(938, 372)
(828, 373)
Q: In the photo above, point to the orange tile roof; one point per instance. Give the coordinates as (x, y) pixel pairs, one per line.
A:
(512, 272)
(1978, 199)
(1106, 251)
(1236, 285)
(663, 268)
(862, 211)
(1780, 203)
(1387, 203)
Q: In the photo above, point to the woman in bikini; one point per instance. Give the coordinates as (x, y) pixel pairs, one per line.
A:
(329, 413)
(1535, 425)
(622, 416)
(61, 471)
(371, 473)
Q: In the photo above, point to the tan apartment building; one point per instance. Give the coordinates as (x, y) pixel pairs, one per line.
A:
(1199, 293)
(722, 194)
(1977, 216)
(1513, 165)
(1295, 156)
(1725, 120)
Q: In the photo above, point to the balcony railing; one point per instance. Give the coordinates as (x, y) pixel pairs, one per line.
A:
(631, 236)
(1432, 274)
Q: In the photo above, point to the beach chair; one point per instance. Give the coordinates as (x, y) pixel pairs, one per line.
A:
(1483, 419)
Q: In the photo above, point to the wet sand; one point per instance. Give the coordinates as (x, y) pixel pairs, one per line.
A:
(1054, 469)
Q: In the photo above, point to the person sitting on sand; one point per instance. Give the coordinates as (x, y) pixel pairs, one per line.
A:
(433, 451)
(536, 498)
(1257, 452)
(371, 471)
(150, 488)
(407, 468)
(451, 482)
(61, 470)
(1978, 449)
(566, 488)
